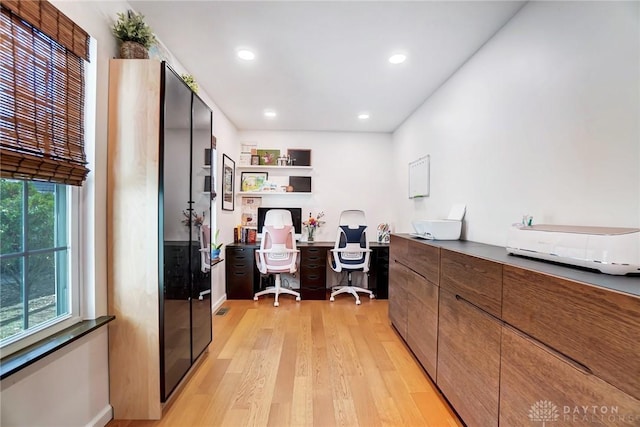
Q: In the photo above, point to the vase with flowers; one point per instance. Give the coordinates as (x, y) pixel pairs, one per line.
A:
(311, 224)
(191, 218)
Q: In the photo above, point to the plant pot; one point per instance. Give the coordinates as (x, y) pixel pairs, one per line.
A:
(215, 253)
(133, 50)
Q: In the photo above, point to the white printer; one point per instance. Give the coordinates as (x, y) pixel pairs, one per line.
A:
(441, 229)
(611, 250)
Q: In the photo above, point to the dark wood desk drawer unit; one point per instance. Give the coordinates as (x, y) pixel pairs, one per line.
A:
(379, 272)
(241, 272)
(313, 264)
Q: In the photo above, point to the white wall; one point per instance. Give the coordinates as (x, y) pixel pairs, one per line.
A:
(227, 143)
(67, 389)
(71, 386)
(350, 171)
(543, 120)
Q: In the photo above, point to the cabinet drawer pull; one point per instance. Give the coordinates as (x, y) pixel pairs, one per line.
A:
(472, 305)
(560, 355)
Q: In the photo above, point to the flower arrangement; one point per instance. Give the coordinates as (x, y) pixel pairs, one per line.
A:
(192, 218)
(311, 224)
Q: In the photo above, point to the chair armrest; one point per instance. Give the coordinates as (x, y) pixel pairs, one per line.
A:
(351, 250)
(278, 251)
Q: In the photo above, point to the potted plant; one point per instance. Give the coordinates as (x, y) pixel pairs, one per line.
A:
(134, 34)
(215, 246)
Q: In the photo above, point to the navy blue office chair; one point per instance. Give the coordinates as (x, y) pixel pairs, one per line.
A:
(351, 252)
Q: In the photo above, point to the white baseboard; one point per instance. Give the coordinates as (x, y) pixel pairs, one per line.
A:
(216, 305)
(102, 418)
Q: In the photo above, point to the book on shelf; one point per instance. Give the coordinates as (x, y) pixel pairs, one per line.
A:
(245, 234)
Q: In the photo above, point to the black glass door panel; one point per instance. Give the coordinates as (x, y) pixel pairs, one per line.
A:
(175, 306)
(201, 279)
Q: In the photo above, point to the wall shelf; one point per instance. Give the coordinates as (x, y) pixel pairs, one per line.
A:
(266, 167)
(271, 193)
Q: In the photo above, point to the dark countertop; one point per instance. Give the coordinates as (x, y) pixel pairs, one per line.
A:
(626, 284)
(326, 244)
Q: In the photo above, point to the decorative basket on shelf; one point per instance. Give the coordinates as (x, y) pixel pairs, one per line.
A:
(133, 50)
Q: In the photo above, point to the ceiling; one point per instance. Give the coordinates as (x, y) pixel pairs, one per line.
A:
(320, 64)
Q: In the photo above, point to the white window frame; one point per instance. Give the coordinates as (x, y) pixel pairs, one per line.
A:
(76, 222)
(57, 324)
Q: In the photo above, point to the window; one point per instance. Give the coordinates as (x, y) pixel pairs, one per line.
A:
(42, 166)
(36, 273)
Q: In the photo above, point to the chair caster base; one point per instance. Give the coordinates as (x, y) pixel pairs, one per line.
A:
(332, 299)
(297, 298)
(276, 304)
(358, 302)
(255, 298)
(372, 296)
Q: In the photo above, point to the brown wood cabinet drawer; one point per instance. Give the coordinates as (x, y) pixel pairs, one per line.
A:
(398, 297)
(469, 360)
(399, 249)
(537, 382)
(598, 328)
(477, 280)
(422, 321)
(425, 260)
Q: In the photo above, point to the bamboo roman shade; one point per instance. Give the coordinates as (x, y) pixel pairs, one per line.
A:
(41, 93)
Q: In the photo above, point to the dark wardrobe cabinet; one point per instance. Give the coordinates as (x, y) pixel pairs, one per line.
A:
(158, 132)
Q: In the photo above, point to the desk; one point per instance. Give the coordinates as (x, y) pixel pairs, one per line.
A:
(243, 278)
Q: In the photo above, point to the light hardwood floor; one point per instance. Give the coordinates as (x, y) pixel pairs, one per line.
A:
(311, 363)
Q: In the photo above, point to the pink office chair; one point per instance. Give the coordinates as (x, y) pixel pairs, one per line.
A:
(277, 253)
(205, 254)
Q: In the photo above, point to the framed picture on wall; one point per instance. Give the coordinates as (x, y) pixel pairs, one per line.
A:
(228, 182)
(268, 157)
(253, 181)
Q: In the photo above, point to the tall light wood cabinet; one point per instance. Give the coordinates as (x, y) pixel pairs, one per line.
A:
(158, 133)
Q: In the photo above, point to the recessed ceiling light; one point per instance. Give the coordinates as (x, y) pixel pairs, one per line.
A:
(270, 114)
(247, 55)
(363, 116)
(397, 58)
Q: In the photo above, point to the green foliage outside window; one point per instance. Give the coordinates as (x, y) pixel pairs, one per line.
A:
(17, 260)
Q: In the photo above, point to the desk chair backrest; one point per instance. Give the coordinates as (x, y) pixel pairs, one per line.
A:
(205, 248)
(351, 250)
(277, 251)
